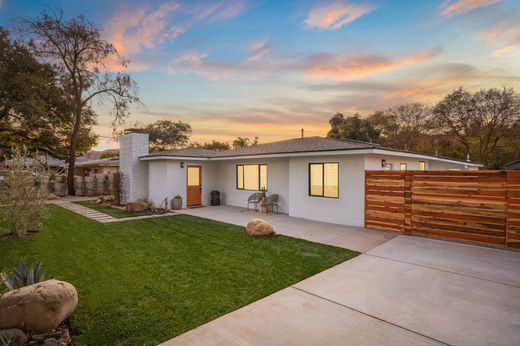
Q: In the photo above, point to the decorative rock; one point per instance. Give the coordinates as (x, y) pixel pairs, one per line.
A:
(51, 196)
(38, 308)
(14, 336)
(136, 206)
(259, 227)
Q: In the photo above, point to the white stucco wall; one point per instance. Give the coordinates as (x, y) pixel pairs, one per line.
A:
(373, 162)
(277, 182)
(348, 209)
(167, 179)
(287, 177)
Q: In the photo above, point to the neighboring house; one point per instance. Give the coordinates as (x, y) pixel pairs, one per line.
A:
(316, 178)
(513, 166)
(99, 166)
(51, 163)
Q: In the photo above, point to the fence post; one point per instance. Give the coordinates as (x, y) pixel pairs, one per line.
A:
(408, 179)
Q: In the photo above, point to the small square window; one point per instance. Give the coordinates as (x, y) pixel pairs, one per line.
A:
(402, 166)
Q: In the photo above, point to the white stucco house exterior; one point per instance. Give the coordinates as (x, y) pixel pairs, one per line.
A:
(316, 178)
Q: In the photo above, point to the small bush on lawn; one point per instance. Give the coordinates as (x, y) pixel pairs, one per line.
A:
(22, 200)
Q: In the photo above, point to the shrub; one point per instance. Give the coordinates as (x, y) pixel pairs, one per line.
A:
(23, 201)
(100, 198)
(23, 275)
(110, 198)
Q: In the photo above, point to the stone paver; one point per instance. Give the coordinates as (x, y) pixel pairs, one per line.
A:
(407, 290)
(96, 215)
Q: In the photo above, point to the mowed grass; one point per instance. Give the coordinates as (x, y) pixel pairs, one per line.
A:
(118, 213)
(142, 282)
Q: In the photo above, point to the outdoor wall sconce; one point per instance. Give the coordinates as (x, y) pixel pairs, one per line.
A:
(182, 164)
(383, 163)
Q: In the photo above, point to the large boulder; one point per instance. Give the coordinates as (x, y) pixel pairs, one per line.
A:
(259, 227)
(39, 307)
(136, 206)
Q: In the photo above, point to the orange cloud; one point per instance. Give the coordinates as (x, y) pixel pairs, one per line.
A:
(335, 15)
(452, 8)
(133, 30)
(329, 66)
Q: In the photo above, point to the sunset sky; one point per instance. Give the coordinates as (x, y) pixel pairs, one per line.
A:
(269, 68)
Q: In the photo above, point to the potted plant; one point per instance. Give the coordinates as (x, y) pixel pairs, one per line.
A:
(177, 202)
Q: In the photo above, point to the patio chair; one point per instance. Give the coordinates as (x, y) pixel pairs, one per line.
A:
(254, 199)
(271, 202)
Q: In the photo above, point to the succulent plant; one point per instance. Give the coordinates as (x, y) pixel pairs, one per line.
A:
(23, 275)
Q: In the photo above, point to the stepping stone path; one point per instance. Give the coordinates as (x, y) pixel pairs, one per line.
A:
(84, 211)
(96, 215)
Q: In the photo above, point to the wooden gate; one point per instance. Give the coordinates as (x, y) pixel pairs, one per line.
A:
(481, 206)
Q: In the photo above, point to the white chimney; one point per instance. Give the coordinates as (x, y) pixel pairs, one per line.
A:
(134, 173)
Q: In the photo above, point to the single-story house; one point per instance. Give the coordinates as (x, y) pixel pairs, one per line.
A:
(316, 178)
(98, 166)
(513, 166)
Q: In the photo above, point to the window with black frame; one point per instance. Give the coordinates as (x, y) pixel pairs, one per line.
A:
(324, 179)
(252, 177)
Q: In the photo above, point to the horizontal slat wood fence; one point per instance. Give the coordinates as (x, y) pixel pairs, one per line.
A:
(480, 206)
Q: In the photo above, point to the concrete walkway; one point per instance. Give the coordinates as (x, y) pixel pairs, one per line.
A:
(404, 291)
(95, 215)
(354, 238)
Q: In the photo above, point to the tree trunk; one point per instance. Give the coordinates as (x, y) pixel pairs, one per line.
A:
(72, 151)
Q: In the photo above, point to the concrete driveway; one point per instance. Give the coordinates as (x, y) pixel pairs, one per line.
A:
(405, 291)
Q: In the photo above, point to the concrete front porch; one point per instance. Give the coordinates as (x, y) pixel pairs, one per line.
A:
(349, 237)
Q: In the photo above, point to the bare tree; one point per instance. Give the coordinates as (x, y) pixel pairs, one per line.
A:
(80, 55)
(404, 124)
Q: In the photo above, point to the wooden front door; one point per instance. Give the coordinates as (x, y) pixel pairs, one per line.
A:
(194, 186)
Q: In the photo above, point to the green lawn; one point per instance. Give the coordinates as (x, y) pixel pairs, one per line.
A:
(120, 214)
(142, 282)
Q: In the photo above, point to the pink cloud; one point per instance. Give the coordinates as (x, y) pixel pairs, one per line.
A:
(259, 50)
(133, 30)
(335, 15)
(330, 66)
(452, 8)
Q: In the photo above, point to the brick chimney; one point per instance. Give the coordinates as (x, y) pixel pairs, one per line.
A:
(134, 173)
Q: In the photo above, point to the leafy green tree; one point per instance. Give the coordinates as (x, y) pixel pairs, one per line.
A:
(353, 127)
(242, 142)
(79, 56)
(213, 145)
(485, 123)
(168, 135)
(34, 111)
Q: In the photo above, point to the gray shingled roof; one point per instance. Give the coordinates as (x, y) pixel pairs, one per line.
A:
(186, 152)
(299, 145)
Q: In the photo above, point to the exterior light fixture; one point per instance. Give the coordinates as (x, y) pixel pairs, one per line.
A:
(383, 163)
(182, 164)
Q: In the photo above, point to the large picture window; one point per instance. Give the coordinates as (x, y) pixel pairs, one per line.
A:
(252, 177)
(324, 179)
